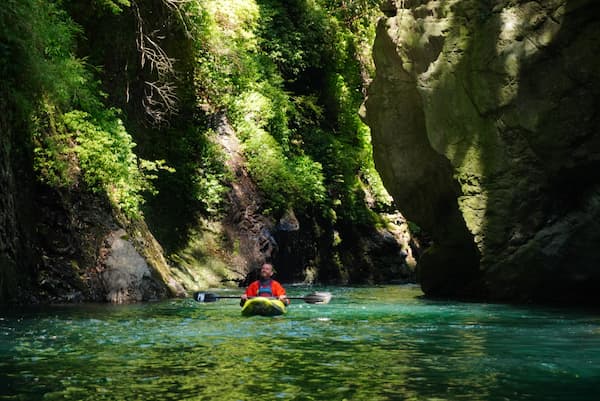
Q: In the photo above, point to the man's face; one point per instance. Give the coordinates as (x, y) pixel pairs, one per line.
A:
(266, 271)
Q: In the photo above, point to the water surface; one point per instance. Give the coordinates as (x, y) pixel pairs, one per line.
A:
(375, 343)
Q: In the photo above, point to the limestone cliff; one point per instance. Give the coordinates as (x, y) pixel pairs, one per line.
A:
(484, 118)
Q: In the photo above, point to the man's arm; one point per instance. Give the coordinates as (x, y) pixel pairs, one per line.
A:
(279, 292)
(251, 291)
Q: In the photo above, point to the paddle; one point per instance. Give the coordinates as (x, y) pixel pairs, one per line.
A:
(314, 298)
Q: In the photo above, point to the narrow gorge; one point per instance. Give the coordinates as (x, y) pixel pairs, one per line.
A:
(151, 148)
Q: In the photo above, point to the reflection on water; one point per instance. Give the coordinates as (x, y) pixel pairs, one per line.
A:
(376, 343)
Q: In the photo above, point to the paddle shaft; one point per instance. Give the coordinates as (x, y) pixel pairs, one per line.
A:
(315, 298)
(238, 297)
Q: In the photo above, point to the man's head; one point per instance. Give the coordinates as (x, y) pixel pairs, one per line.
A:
(266, 271)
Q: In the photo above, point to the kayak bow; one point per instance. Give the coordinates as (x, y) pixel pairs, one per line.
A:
(263, 307)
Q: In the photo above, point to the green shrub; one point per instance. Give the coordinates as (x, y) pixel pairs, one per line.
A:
(287, 182)
(96, 149)
(210, 177)
(108, 164)
(114, 6)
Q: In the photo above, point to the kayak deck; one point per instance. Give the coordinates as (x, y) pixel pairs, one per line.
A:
(264, 307)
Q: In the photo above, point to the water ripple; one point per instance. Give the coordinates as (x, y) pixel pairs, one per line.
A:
(370, 343)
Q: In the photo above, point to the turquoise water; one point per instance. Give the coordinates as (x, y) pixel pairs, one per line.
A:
(376, 343)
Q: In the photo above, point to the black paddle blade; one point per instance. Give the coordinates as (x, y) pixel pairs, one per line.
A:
(318, 298)
(205, 297)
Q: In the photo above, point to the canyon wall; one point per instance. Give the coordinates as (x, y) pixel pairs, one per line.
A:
(485, 127)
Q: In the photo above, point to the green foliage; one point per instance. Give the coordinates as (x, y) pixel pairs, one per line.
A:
(210, 176)
(308, 177)
(114, 6)
(54, 154)
(288, 179)
(296, 35)
(289, 74)
(225, 41)
(37, 40)
(287, 182)
(103, 150)
(201, 179)
(74, 135)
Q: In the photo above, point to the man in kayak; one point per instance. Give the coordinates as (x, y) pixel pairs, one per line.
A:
(265, 286)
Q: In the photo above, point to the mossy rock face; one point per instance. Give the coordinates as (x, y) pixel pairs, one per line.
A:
(483, 116)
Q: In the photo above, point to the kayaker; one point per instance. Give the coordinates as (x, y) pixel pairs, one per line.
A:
(265, 286)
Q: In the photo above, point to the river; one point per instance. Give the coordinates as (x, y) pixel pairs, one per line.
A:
(368, 343)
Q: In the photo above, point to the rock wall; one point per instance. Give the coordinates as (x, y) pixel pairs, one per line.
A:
(485, 127)
(14, 237)
(59, 245)
(67, 246)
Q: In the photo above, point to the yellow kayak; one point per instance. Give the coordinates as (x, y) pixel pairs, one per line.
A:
(264, 307)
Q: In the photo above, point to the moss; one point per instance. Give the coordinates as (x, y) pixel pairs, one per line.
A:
(207, 260)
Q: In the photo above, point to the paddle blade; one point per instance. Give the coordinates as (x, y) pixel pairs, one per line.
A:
(318, 298)
(205, 297)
